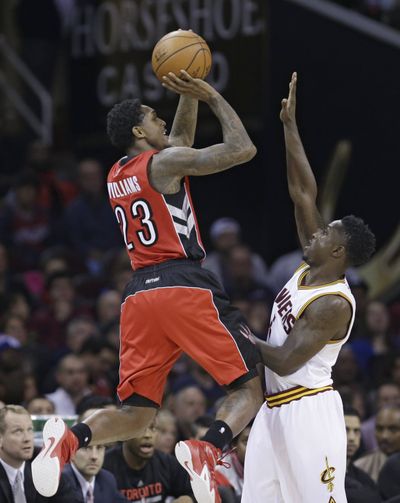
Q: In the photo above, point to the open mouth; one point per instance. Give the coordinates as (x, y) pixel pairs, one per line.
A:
(146, 448)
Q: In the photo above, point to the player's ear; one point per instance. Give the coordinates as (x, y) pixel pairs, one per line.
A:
(339, 251)
(138, 132)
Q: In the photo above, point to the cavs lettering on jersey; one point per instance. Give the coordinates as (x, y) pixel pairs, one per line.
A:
(156, 227)
(289, 306)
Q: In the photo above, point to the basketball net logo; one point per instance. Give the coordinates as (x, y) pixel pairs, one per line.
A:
(327, 478)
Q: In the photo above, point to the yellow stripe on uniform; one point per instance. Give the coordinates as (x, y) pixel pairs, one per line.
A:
(288, 396)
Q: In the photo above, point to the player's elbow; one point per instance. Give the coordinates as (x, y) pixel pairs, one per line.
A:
(245, 153)
(250, 152)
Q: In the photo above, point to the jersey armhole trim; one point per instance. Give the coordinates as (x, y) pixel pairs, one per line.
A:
(340, 294)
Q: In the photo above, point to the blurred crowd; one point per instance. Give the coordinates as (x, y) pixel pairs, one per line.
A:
(63, 269)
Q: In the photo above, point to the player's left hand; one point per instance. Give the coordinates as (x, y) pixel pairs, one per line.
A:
(189, 86)
(288, 110)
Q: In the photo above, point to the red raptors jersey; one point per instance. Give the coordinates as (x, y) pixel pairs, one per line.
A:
(156, 227)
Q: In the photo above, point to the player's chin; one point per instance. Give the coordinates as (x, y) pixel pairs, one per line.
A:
(306, 258)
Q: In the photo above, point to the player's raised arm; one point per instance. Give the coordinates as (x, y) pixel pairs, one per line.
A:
(236, 148)
(185, 120)
(301, 180)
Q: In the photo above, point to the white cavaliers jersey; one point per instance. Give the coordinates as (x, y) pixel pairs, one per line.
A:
(288, 307)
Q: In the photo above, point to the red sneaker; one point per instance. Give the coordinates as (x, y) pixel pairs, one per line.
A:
(59, 445)
(199, 459)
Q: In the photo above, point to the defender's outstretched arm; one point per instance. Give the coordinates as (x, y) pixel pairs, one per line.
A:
(301, 180)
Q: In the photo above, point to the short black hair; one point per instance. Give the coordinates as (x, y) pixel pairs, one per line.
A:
(120, 121)
(360, 240)
(349, 410)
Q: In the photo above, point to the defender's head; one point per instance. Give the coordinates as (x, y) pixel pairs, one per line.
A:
(131, 124)
(349, 242)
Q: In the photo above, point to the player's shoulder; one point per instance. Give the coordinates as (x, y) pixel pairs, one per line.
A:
(329, 308)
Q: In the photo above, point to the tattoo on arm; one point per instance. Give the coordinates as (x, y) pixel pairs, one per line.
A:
(184, 125)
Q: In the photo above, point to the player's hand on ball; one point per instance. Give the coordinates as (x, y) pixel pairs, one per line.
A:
(188, 86)
(288, 110)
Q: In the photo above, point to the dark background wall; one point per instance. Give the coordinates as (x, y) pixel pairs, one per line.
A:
(348, 88)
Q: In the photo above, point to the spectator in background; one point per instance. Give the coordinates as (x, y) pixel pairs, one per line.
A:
(108, 307)
(101, 360)
(188, 404)
(240, 282)
(91, 483)
(360, 488)
(16, 451)
(196, 376)
(72, 378)
(346, 370)
(225, 234)
(387, 394)
(25, 225)
(166, 431)
(63, 305)
(145, 474)
(373, 346)
(387, 432)
(40, 405)
(78, 331)
(90, 223)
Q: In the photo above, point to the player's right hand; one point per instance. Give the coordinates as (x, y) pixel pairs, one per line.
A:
(189, 86)
(288, 110)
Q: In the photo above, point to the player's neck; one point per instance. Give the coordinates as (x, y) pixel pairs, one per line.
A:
(321, 275)
(138, 149)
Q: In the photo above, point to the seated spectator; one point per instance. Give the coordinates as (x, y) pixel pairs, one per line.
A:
(196, 376)
(25, 225)
(90, 223)
(389, 479)
(16, 452)
(360, 488)
(240, 283)
(108, 307)
(78, 331)
(145, 474)
(94, 402)
(40, 405)
(387, 431)
(188, 404)
(387, 394)
(225, 235)
(166, 432)
(72, 378)
(62, 305)
(101, 361)
(91, 483)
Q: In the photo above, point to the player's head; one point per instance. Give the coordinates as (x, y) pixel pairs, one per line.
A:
(348, 241)
(131, 124)
(353, 430)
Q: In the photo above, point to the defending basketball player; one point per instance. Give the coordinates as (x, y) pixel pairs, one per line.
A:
(171, 305)
(297, 446)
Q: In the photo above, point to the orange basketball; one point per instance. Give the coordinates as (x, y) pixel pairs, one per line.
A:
(181, 50)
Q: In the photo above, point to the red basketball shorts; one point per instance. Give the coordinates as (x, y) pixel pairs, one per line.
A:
(177, 307)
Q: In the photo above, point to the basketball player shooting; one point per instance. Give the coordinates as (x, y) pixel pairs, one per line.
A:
(171, 305)
(297, 446)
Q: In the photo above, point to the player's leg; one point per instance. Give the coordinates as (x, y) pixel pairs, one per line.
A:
(314, 434)
(207, 328)
(145, 360)
(261, 483)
